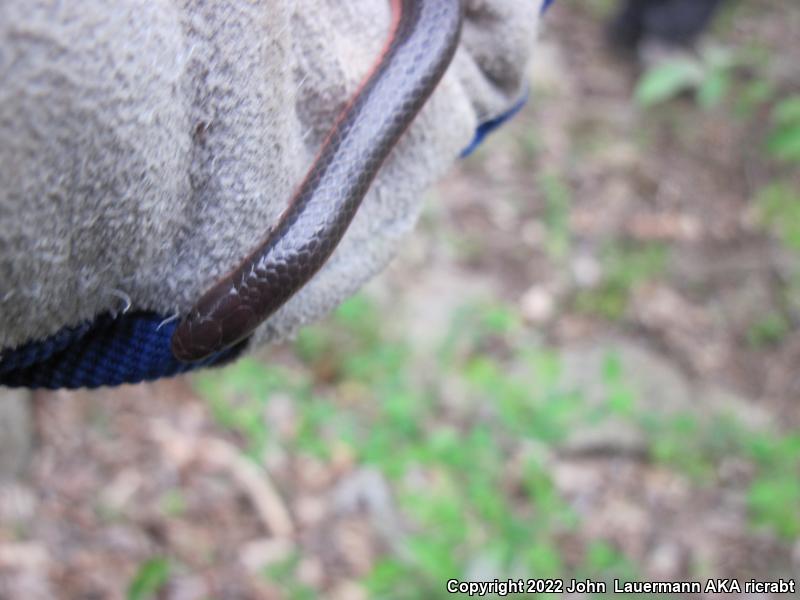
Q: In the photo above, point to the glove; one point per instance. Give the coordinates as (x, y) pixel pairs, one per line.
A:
(148, 146)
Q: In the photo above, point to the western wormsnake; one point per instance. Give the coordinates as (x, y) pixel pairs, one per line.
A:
(423, 39)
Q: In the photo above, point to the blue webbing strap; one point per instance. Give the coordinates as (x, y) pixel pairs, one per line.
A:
(110, 351)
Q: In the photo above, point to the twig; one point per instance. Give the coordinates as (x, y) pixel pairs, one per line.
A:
(254, 481)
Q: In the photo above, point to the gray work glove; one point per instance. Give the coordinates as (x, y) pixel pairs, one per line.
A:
(146, 147)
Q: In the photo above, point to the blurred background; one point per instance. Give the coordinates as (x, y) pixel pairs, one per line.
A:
(583, 364)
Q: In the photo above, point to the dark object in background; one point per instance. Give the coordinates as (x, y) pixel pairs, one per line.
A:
(670, 22)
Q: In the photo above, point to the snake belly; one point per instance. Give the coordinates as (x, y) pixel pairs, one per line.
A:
(424, 37)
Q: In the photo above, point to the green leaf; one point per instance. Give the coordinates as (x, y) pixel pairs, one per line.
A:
(603, 561)
(752, 96)
(770, 329)
(779, 208)
(775, 503)
(713, 89)
(666, 81)
(543, 559)
(784, 140)
(784, 143)
(149, 579)
(787, 111)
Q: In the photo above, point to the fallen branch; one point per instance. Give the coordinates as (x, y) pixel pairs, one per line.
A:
(215, 452)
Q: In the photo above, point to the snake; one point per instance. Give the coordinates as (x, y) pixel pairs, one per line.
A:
(422, 42)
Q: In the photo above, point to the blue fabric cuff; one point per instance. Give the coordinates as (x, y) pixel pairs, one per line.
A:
(130, 348)
(489, 126)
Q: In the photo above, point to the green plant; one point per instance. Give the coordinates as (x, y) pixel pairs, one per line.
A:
(783, 141)
(603, 560)
(471, 469)
(173, 503)
(283, 574)
(778, 207)
(769, 330)
(674, 440)
(709, 76)
(625, 268)
(150, 578)
(774, 494)
(697, 447)
(774, 503)
(753, 94)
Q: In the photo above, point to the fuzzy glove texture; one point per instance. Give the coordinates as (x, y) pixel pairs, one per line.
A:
(147, 146)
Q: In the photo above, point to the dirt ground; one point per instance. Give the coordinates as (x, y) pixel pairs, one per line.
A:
(97, 501)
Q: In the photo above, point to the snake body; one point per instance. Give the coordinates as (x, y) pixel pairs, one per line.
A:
(421, 45)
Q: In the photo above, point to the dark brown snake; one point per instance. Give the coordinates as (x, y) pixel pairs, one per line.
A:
(424, 37)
